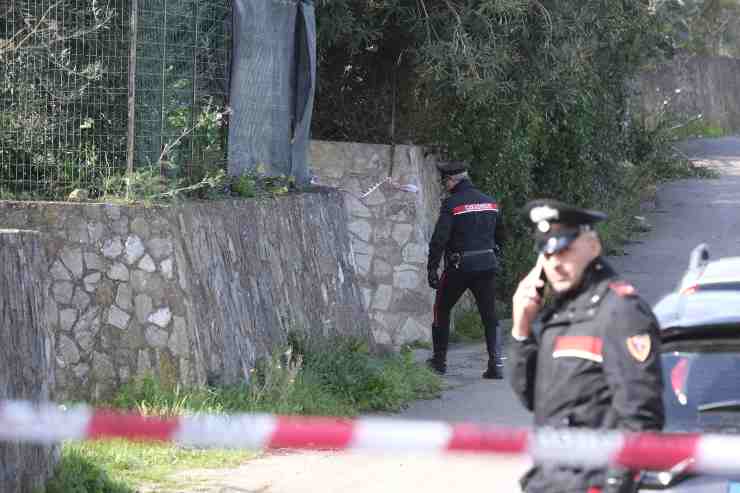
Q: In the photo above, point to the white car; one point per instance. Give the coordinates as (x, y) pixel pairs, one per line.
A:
(700, 355)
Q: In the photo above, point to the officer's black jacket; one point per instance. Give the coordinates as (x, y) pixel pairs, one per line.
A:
(468, 221)
(577, 369)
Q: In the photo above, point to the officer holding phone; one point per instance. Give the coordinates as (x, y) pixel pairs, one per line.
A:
(589, 358)
(468, 234)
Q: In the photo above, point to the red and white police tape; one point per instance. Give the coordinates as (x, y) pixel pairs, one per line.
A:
(23, 421)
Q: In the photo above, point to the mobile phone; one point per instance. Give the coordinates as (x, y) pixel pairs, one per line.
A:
(543, 277)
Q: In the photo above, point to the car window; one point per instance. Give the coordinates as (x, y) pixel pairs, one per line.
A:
(702, 386)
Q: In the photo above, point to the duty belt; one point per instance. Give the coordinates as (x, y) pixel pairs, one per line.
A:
(471, 253)
(456, 257)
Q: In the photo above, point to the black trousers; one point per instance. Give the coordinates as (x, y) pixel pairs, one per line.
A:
(453, 285)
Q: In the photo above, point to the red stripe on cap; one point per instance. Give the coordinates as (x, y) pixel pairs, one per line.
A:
(466, 437)
(108, 424)
(484, 207)
(589, 344)
(657, 452)
(311, 433)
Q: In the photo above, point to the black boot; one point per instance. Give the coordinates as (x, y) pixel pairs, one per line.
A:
(438, 362)
(495, 368)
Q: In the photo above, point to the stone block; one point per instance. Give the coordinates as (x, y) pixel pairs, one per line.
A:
(118, 318)
(112, 248)
(104, 294)
(89, 321)
(96, 231)
(162, 317)
(381, 268)
(363, 264)
(144, 305)
(134, 249)
(362, 247)
(94, 262)
(140, 227)
(81, 300)
(147, 264)
(156, 337)
(91, 281)
(59, 272)
(160, 248)
(144, 282)
(143, 363)
(412, 330)
(103, 368)
(77, 231)
(86, 340)
(179, 342)
(67, 350)
(415, 253)
(402, 233)
(72, 259)
(124, 297)
(361, 229)
(355, 208)
(167, 266)
(406, 279)
(81, 371)
(120, 226)
(67, 318)
(367, 296)
(118, 272)
(51, 311)
(63, 292)
(382, 297)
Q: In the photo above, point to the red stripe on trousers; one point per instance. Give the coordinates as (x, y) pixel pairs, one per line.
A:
(442, 283)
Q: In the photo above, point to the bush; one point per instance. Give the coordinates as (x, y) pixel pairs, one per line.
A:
(78, 473)
(338, 377)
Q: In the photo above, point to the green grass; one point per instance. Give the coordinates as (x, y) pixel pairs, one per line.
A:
(698, 128)
(117, 466)
(469, 326)
(340, 378)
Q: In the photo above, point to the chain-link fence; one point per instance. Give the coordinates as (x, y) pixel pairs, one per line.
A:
(92, 90)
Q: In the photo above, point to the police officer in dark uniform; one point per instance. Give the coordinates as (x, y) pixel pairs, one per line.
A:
(590, 357)
(468, 235)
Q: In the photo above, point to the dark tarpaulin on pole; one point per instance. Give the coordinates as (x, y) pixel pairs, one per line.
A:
(272, 87)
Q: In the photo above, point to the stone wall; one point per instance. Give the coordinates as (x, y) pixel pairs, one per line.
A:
(192, 290)
(390, 230)
(689, 86)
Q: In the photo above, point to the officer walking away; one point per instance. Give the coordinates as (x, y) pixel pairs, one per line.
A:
(590, 357)
(468, 234)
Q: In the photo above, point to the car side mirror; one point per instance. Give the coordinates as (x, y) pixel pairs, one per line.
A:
(699, 256)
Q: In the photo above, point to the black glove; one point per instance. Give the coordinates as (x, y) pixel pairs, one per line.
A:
(620, 481)
(433, 279)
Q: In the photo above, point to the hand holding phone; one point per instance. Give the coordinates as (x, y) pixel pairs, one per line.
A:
(527, 300)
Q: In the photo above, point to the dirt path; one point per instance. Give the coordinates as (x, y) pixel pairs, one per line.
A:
(688, 212)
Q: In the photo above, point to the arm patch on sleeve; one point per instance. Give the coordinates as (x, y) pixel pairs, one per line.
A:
(639, 347)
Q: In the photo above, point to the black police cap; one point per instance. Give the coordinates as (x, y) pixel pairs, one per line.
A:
(451, 168)
(572, 220)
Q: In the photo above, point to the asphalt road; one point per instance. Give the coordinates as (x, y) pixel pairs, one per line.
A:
(688, 212)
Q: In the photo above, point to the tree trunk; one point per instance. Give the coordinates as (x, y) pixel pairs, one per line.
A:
(272, 87)
(26, 370)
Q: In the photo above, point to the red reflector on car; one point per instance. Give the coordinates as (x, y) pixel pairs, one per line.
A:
(678, 380)
(691, 289)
